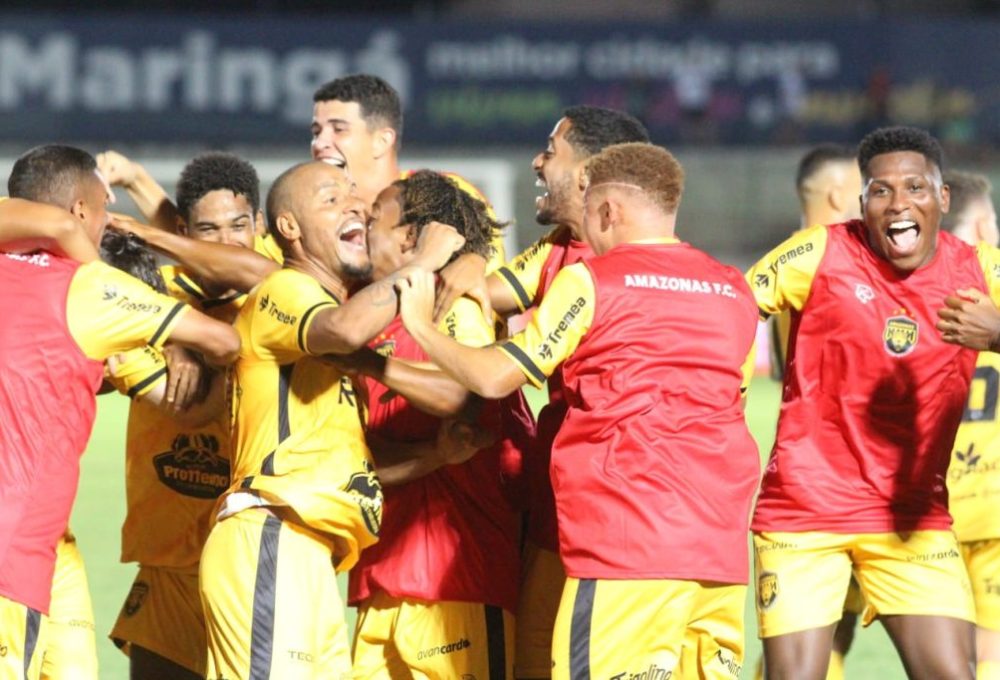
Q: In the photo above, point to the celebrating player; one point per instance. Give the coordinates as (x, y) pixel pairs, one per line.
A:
(62, 320)
(653, 379)
(872, 397)
(304, 497)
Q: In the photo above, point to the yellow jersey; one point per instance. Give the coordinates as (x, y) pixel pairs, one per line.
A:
(297, 426)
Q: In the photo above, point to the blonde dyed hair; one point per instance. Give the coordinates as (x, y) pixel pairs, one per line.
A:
(648, 168)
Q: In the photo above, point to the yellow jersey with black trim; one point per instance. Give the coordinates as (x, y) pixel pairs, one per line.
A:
(498, 254)
(173, 473)
(560, 322)
(266, 245)
(298, 434)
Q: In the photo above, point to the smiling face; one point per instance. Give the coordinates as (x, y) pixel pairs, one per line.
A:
(341, 137)
(390, 244)
(331, 221)
(220, 216)
(902, 203)
(557, 168)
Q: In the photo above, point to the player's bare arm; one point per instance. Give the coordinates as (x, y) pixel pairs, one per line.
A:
(217, 264)
(400, 462)
(26, 225)
(971, 319)
(484, 370)
(348, 327)
(457, 279)
(148, 196)
(218, 342)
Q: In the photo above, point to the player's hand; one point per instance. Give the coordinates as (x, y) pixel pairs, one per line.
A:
(364, 361)
(118, 170)
(416, 299)
(128, 224)
(435, 246)
(457, 279)
(184, 378)
(969, 318)
(458, 441)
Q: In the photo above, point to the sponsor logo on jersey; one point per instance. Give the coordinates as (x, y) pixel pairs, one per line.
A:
(110, 292)
(678, 284)
(790, 255)
(864, 293)
(136, 596)
(653, 672)
(264, 302)
(367, 490)
(193, 466)
(767, 588)
(449, 648)
(36, 259)
(900, 335)
(761, 280)
(729, 663)
(556, 336)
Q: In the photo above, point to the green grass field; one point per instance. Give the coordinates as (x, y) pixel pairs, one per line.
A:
(100, 509)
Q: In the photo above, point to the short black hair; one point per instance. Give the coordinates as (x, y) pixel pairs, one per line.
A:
(965, 188)
(378, 101)
(128, 252)
(899, 138)
(50, 174)
(816, 158)
(214, 171)
(595, 128)
(427, 196)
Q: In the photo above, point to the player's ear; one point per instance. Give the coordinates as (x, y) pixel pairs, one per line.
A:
(412, 234)
(610, 212)
(836, 199)
(79, 208)
(260, 223)
(288, 227)
(384, 141)
(945, 198)
(182, 227)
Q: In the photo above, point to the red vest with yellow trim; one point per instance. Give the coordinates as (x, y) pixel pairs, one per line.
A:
(47, 407)
(872, 397)
(654, 469)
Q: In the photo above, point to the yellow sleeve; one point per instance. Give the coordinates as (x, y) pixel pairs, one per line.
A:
(108, 312)
(266, 245)
(989, 258)
(138, 371)
(557, 326)
(782, 278)
(284, 309)
(466, 324)
(749, 364)
(524, 273)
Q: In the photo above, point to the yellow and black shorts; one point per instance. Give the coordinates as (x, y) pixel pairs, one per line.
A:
(23, 632)
(404, 638)
(802, 577)
(648, 629)
(162, 614)
(982, 559)
(272, 607)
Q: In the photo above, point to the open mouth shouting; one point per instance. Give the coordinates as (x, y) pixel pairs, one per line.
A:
(903, 238)
(353, 237)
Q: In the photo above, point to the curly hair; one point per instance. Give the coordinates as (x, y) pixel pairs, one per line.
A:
(378, 101)
(652, 169)
(427, 196)
(595, 128)
(899, 138)
(128, 252)
(213, 171)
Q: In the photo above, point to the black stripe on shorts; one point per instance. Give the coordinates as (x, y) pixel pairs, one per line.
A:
(519, 291)
(166, 322)
(264, 595)
(32, 624)
(520, 357)
(579, 631)
(496, 644)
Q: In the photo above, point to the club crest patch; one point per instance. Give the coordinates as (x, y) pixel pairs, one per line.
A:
(900, 336)
(767, 588)
(136, 596)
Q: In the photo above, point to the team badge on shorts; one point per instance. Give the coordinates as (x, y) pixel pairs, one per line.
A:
(136, 596)
(767, 588)
(367, 490)
(900, 335)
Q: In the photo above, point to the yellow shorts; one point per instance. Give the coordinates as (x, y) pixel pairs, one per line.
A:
(70, 651)
(542, 581)
(648, 629)
(402, 638)
(23, 633)
(802, 577)
(982, 559)
(272, 608)
(162, 614)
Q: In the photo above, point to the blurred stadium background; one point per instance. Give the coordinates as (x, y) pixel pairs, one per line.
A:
(736, 89)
